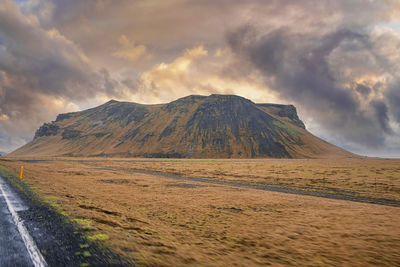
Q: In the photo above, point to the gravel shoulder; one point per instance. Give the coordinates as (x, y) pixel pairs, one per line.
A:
(61, 242)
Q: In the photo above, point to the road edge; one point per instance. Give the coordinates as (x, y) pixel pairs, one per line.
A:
(64, 227)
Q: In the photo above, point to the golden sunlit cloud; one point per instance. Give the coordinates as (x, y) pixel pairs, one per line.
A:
(4, 117)
(197, 71)
(129, 51)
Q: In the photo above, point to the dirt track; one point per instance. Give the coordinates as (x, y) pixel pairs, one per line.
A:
(282, 188)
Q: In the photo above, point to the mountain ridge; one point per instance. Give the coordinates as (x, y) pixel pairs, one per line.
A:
(195, 126)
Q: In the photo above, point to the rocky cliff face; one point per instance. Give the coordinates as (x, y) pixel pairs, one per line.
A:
(47, 129)
(215, 126)
(224, 122)
(284, 111)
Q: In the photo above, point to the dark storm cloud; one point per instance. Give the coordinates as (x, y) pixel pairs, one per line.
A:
(381, 112)
(394, 100)
(301, 72)
(38, 70)
(362, 89)
(301, 67)
(44, 60)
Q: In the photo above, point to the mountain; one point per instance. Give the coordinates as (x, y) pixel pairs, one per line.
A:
(215, 126)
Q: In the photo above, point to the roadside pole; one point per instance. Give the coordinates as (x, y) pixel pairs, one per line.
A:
(22, 172)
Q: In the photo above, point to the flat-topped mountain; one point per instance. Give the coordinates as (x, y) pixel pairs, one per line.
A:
(215, 126)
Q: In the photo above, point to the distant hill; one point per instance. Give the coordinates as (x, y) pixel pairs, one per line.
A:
(215, 126)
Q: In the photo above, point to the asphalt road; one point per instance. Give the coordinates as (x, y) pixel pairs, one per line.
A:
(32, 233)
(17, 247)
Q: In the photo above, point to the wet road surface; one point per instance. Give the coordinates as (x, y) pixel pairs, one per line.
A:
(32, 233)
(16, 245)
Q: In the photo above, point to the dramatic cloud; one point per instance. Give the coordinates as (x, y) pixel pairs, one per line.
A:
(339, 76)
(41, 72)
(198, 71)
(130, 51)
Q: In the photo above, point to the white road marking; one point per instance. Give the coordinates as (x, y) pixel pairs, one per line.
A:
(34, 253)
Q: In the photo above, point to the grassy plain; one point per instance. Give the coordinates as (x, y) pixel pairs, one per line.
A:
(160, 221)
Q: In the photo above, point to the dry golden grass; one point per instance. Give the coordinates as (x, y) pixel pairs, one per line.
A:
(365, 177)
(162, 221)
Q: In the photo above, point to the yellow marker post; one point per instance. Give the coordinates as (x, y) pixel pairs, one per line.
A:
(22, 172)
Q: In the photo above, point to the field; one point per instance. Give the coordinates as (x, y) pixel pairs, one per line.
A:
(210, 214)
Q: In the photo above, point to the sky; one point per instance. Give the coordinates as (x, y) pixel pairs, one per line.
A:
(335, 60)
